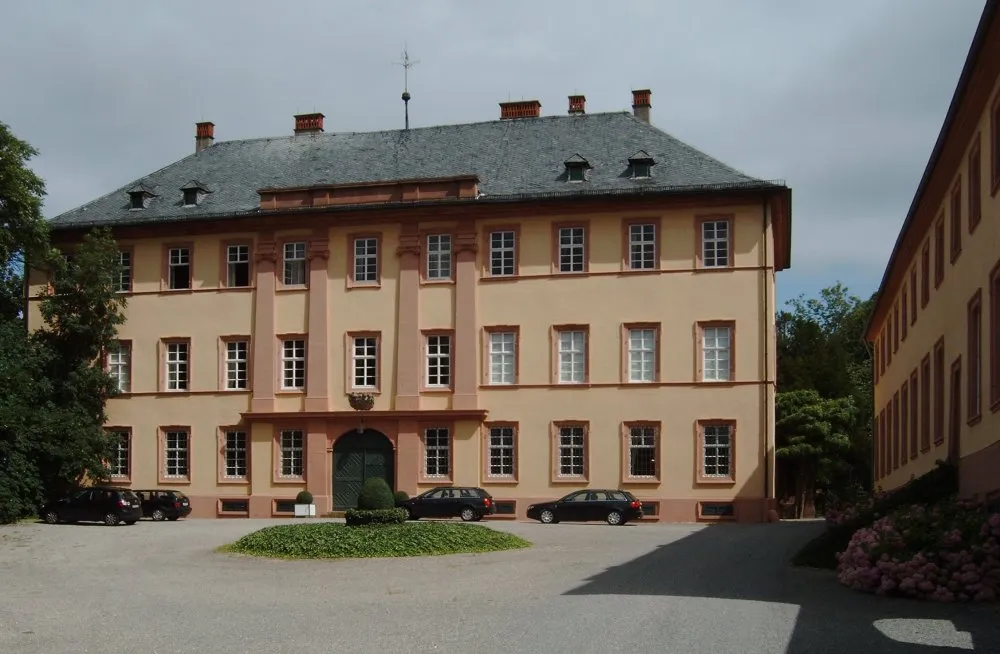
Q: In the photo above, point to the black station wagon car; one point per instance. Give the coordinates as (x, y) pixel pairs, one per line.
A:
(164, 504)
(615, 506)
(106, 504)
(467, 503)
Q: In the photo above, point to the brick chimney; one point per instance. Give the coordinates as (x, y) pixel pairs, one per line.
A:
(520, 109)
(641, 104)
(308, 123)
(577, 104)
(204, 135)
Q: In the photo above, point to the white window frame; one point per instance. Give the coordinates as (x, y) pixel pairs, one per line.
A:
(641, 355)
(642, 246)
(120, 464)
(716, 359)
(503, 256)
(501, 452)
(572, 349)
(503, 358)
(715, 249)
(437, 368)
(291, 446)
(572, 246)
(366, 260)
(237, 365)
(642, 438)
(364, 362)
(124, 271)
(717, 443)
(176, 454)
(179, 257)
(439, 256)
(293, 364)
(120, 366)
(572, 448)
(235, 454)
(437, 452)
(237, 255)
(177, 360)
(294, 263)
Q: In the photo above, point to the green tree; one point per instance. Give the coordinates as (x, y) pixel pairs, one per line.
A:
(813, 433)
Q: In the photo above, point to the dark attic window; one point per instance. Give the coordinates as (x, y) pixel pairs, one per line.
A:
(577, 173)
(138, 200)
(576, 168)
(190, 197)
(641, 164)
(640, 170)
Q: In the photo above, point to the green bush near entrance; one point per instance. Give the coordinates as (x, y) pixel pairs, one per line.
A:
(375, 494)
(331, 540)
(401, 496)
(357, 517)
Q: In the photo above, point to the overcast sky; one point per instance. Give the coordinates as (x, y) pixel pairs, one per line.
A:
(842, 100)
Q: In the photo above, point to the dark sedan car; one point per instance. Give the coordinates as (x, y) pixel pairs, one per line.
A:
(467, 503)
(615, 506)
(164, 504)
(106, 504)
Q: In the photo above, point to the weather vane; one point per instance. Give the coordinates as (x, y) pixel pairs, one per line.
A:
(406, 64)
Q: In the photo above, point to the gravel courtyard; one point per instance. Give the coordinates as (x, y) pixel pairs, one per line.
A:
(160, 588)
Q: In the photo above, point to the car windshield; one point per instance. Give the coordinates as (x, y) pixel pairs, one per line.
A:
(177, 495)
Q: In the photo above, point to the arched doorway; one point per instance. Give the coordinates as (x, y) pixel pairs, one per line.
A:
(357, 457)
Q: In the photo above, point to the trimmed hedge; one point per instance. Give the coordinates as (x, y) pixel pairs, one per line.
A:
(401, 496)
(375, 494)
(304, 497)
(359, 517)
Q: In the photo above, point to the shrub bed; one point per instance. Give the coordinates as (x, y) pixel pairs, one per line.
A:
(948, 552)
(330, 540)
(358, 517)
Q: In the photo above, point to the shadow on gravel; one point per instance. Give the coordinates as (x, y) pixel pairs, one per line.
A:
(750, 562)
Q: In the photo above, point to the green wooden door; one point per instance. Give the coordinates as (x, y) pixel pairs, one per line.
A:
(357, 457)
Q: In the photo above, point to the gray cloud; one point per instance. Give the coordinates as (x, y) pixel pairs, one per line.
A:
(842, 100)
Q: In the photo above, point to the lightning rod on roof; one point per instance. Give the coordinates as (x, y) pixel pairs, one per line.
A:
(406, 63)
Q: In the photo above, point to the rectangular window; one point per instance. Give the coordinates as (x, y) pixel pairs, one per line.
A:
(913, 294)
(572, 444)
(177, 357)
(995, 142)
(642, 354)
(437, 452)
(120, 365)
(642, 246)
(955, 410)
(939, 251)
(366, 260)
(956, 220)
(939, 378)
(975, 186)
(237, 266)
(124, 284)
(293, 364)
(880, 445)
(572, 250)
(717, 447)
(121, 446)
(294, 264)
(974, 392)
(176, 453)
(903, 322)
(925, 274)
(179, 268)
(876, 360)
(994, 339)
(716, 353)
(503, 357)
(642, 451)
(237, 365)
(925, 403)
(503, 260)
(501, 452)
(364, 362)
(715, 244)
(897, 438)
(914, 413)
(903, 423)
(235, 454)
(895, 328)
(572, 356)
(438, 361)
(292, 447)
(439, 256)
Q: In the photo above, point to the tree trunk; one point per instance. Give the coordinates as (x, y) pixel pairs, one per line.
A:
(805, 493)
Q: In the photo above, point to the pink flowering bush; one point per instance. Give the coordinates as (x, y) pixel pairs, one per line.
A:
(947, 552)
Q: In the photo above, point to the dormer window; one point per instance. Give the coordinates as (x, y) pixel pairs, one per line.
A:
(139, 196)
(138, 200)
(641, 165)
(576, 168)
(193, 193)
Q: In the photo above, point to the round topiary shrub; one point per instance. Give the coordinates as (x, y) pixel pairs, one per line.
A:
(401, 496)
(304, 497)
(375, 494)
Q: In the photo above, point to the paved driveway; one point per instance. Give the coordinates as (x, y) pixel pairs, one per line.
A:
(159, 588)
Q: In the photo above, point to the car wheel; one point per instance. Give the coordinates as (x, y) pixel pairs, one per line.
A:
(111, 519)
(173, 518)
(409, 513)
(468, 515)
(158, 515)
(547, 517)
(615, 518)
(52, 517)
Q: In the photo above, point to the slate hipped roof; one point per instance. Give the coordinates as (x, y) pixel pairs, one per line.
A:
(513, 159)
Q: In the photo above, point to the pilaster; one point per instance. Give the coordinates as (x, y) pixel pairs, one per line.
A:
(318, 339)
(466, 354)
(262, 391)
(408, 322)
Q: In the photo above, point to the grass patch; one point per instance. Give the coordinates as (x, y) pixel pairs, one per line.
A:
(331, 540)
